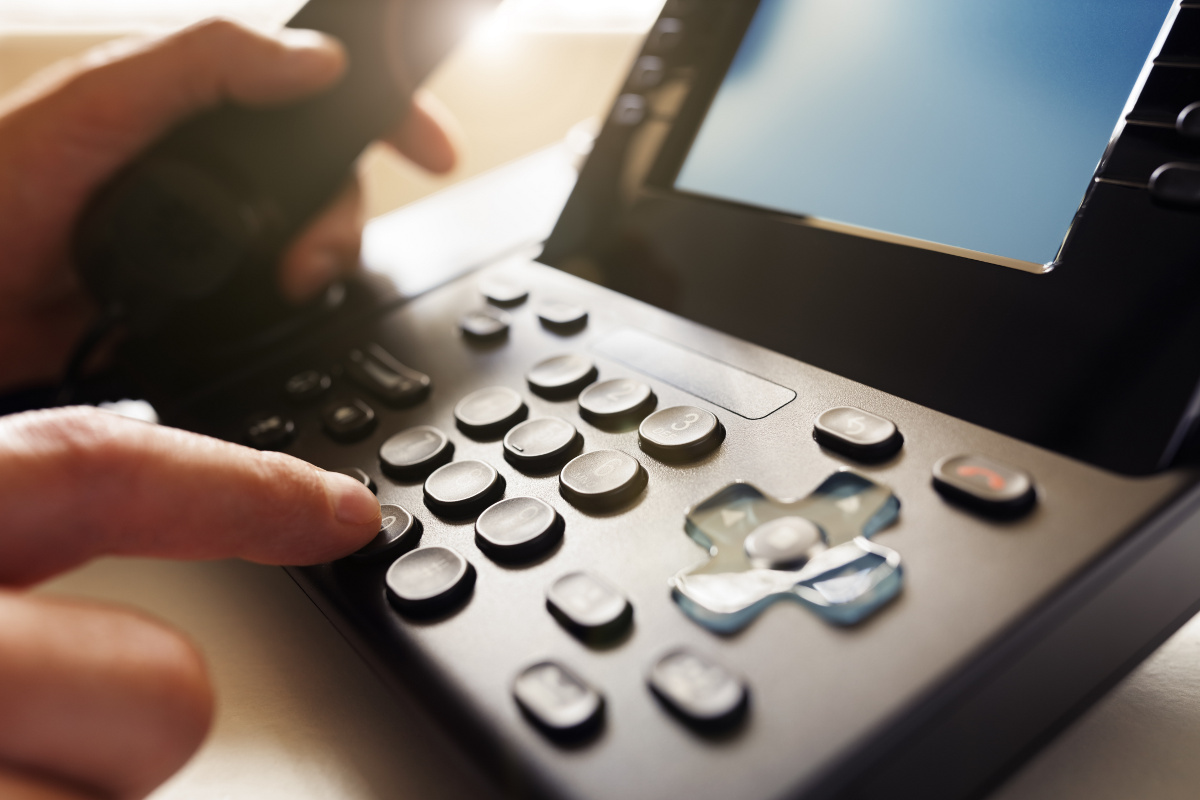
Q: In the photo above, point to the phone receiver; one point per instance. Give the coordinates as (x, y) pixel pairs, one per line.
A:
(184, 243)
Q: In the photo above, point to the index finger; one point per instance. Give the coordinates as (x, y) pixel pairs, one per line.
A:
(78, 483)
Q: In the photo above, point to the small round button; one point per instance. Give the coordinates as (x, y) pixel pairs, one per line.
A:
(358, 475)
(270, 432)
(562, 317)
(304, 387)
(501, 292)
(488, 413)
(698, 690)
(429, 580)
(557, 700)
(680, 433)
(541, 445)
(602, 480)
(589, 608)
(518, 529)
(984, 485)
(617, 403)
(349, 421)
(485, 325)
(561, 377)
(399, 531)
(782, 543)
(462, 489)
(413, 453)
(858, 434)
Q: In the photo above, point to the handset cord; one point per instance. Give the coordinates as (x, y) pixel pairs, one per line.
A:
(95, 336)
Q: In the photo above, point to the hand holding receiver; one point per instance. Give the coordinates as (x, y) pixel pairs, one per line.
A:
(184, 243)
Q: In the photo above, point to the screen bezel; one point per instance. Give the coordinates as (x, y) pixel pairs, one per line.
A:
(1093, 359)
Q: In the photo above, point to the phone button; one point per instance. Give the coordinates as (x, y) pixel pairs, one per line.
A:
(603, 480)
(699, 691)
(349, 421)
(858, 434)
(984, 485)
(557, 700)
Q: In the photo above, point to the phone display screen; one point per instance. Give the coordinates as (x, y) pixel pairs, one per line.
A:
(968, 127)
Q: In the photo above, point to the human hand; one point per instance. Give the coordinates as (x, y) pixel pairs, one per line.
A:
(70, 129)
(104, 703)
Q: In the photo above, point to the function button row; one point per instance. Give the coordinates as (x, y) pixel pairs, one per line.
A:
(603, 480)
(542, 445)
(680, 433)
(359, 475)
(589, 608)
(984, 485)
(518, 529)
(486, 324)
(462, 489)
(488, 413)
(398, 533)
(413, 453)
(270, 431)
(617, 403)
(349, 420)
(697, 690)
(561, 377)
(307, 386)
(857, 434)
(378, 371)
(557, 700)
(429, 580)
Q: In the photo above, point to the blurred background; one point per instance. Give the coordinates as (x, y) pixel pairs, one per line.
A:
(521, 80)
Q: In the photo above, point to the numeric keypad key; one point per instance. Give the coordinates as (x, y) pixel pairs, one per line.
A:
(680, 433)
(602, 480)
(413, 453)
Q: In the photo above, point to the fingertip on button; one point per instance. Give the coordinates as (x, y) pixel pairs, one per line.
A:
(351, 501)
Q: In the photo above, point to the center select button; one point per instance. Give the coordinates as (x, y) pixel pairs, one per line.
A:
(719, 383)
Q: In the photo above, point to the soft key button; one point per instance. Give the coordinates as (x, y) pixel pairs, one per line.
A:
(562, 317)
(306, 386)
(378, 371)
(858, 434)
(697, 689)
(984, 485)
(349, 421)
(815, 550)
(557, 700)
(270, 432)
(589, 608)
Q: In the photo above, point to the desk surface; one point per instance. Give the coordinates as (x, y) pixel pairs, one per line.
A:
(301, 717)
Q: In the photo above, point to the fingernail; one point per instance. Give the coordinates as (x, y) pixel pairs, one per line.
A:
(352, 503)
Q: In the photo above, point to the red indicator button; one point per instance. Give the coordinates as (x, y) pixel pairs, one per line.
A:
(984, 485)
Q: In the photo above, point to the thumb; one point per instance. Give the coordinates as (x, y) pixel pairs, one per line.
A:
(78, 483)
